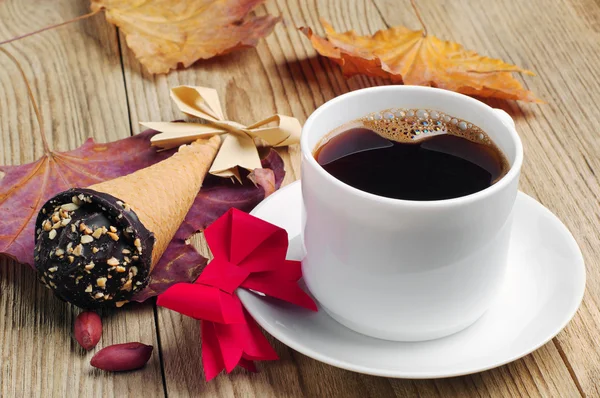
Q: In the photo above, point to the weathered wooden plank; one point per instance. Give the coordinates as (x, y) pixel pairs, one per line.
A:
(76, 75)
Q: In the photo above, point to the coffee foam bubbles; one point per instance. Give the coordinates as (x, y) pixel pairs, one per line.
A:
(416, 125)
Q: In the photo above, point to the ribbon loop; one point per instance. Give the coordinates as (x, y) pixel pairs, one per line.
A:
(200, 102)
(202, 302)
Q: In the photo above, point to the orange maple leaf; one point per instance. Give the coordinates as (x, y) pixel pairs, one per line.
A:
(165, 33)
(412, 57)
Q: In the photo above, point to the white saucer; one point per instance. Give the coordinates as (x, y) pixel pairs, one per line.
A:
(544, 286)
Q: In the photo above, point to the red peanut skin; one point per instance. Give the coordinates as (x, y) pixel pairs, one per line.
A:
(122, 357)
(88, 329)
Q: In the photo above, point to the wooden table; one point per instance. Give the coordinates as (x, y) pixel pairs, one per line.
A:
(88, 83)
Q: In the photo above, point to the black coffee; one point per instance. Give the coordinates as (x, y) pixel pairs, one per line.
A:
(413, 155)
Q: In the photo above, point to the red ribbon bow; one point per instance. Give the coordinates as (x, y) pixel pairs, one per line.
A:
(248, 253)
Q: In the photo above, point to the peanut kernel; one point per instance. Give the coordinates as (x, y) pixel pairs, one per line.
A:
(112, 261)
(69, 207)
(78, 250)
(127, 286)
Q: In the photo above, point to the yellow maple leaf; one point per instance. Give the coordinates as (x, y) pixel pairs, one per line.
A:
(412, 57)
(165, 33)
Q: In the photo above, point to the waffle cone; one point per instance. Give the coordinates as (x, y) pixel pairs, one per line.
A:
(161, 195)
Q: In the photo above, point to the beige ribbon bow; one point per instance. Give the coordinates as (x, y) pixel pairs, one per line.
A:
(238, 148)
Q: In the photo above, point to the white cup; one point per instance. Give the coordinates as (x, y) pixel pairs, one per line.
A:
(399, 269)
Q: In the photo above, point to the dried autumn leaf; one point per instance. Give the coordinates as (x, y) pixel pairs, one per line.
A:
(24, 189)
(409, 57)
(265, 178)
(166, 33)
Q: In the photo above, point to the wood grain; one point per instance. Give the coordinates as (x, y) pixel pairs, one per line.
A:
(89, 83)
(77, 79)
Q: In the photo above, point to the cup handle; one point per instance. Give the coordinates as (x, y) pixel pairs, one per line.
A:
(506, 119)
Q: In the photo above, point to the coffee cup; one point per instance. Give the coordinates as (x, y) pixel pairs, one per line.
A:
(405, 270)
